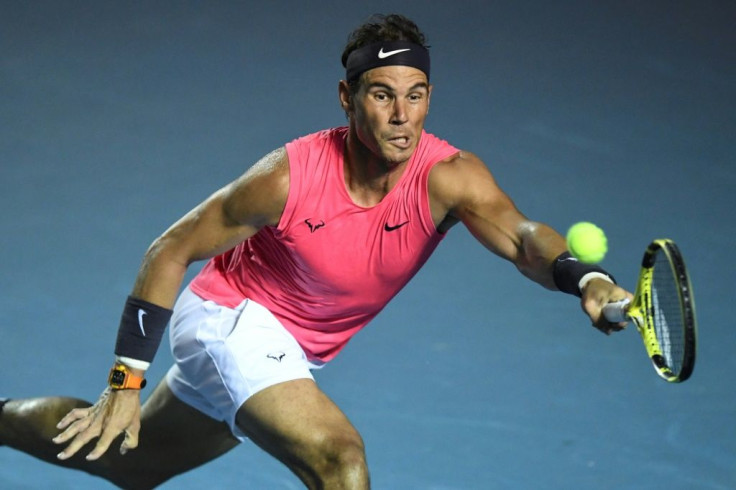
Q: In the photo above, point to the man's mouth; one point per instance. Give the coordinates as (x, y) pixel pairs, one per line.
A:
(402, 142)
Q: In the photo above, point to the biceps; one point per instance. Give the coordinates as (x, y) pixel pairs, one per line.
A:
(496, 224)
(258, 197)
(232, 214)
(206, 231)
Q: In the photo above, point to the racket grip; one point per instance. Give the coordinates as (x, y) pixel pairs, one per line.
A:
(616, 312)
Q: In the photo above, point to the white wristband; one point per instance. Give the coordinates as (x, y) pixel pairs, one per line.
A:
(590, 276)
(133, 363)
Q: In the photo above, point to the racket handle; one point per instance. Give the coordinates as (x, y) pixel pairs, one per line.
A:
(616, 312)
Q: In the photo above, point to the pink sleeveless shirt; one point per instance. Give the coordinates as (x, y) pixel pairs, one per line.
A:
(331, 265)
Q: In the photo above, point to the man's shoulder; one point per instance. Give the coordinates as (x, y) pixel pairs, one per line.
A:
(316, 147)
(335, 134)
(456, 174)
(459, 161)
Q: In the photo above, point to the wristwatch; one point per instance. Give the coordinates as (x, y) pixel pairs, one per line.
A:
(122, 379)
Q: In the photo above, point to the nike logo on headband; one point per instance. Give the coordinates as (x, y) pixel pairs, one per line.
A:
(383, 55)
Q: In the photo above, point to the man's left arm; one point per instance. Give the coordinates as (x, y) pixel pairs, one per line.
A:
(463, 190)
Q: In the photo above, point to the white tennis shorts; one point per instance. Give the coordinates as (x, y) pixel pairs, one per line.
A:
(225, 355)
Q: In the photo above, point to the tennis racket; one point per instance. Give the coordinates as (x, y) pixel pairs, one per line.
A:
(663, 311)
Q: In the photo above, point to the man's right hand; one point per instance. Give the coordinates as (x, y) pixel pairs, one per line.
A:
(115, 412)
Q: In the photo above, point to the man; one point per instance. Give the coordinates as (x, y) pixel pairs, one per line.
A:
(305, 249)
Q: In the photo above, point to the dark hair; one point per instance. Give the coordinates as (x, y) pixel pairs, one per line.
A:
(379, 27)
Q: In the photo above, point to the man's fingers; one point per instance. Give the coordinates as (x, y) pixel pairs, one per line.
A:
(73, 416)
(81, 438)
(113, 413)
(72, 430)
(103, 443)
(597, 295)
(130, 441)
(609, 328)
(109, 434)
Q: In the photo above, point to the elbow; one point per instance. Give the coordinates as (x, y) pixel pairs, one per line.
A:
(538, 247)
(165, 249)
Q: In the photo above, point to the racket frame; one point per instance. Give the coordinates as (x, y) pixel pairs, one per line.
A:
(641, 310)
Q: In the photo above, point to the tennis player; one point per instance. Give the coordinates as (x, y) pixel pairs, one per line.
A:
(303, 251)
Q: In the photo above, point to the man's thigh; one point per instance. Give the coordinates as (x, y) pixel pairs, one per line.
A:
(226, 355)
(298, 424)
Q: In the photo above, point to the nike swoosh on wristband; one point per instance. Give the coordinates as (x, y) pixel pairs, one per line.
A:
(141, 312)
(383, 55)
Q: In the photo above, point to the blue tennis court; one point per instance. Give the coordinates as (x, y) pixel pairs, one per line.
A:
(118, 117)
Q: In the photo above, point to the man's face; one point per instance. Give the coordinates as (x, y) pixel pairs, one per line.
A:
(388, 111)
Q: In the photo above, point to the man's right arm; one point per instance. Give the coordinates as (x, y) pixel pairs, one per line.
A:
(231, 215)
(228, 217)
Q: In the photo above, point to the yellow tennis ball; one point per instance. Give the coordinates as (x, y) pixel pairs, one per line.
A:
(586, 242)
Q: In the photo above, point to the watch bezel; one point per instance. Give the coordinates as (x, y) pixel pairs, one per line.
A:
(120, 376)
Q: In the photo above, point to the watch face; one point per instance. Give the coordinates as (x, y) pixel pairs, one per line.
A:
(117, 378)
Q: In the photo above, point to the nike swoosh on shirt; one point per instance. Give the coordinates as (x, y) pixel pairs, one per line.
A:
(383, 55)
(140, 320)
(387, 227)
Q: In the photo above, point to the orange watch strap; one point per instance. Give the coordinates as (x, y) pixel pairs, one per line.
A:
(121, 378)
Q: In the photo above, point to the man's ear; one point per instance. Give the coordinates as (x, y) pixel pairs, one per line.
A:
(429, 97)
(346, 100)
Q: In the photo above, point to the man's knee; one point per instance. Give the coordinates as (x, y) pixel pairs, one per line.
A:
(338, 457)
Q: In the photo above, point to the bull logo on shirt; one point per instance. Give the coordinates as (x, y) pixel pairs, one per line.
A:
(314, 226)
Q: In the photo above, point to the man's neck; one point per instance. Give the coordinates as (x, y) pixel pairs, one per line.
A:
(368, 179)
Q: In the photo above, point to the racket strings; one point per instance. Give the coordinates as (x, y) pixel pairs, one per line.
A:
(668, 320)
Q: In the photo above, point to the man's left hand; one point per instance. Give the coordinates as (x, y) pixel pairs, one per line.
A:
(597, 294)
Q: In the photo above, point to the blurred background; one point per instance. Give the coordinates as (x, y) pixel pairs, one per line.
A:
(118, 117)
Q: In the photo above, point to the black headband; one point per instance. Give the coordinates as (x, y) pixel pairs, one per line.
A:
(386, 53)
